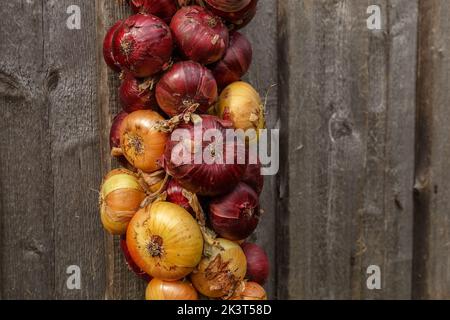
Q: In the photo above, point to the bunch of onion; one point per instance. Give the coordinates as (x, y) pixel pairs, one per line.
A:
(120, 197)
(170, 290)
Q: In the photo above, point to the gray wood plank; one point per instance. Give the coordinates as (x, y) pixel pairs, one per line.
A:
(432, 187)
(262, 33)
(27, 242)
(121, 282)
(348, 140)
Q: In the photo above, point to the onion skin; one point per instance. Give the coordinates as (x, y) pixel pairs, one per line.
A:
(236, 215)
(170, 290)
(250, 291)
(203, 179)
(107, 47)
(235, 63)
(130, 262)
(241, 104)
(116, 130)
(120, 198)
(185, 84)
(142, 144)
(165, 241)
(237, 19)
(253, 177)
(199, 35)
(175, 195)
(143, 45)
(137, 94)
(164, 9)
(257, 263)
(221, 273)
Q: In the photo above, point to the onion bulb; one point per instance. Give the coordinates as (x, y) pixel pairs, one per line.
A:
(254, 178)
(236, 61)
(165, 241)
(237, 18)
(236, 215)
(228, 5)
(137, 94)
(220, 273)
(120, 198)
(108, 47)
(250, 291)
(199, 35)
(241, 104)
(175, 195)
(142, 142)
(143, 45)
(116, 130)
(187, 83)
(257, 263)
(164, 9)
(170, 290)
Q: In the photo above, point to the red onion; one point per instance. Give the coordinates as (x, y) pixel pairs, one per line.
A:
(203, 179)
(253, 177)
(236, 61)
(257, 263)
(137, 94)
(185, 84)
(238, 18)
(228, 5)
(107, 47)
(115, 133)
(236, 215)
(143, 45)
(130, 262)
(164, 9)
(200, 35)
(175, 195)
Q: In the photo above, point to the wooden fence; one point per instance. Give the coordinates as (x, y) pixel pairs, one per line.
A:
(364, 118)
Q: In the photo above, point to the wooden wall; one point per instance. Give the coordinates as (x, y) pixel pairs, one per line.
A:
(364, 124)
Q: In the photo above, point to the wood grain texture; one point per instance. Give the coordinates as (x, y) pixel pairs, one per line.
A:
(262, 33)
(432, 214)
(348, 142)
(121, 283)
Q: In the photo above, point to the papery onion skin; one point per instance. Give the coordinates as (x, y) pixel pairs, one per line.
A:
(137, 94)
(164, 9)
(116, 129)
(185, 84)
(175, 195)
(237, 19)
(199, 35)
(235, 63)
(120, 198)
(143, 45)
(108, 47)
(240, 103)
(257, 263)
(170, 290)
(165, 241)
(236, 215)
(251, 291)
(130, 262)
(141, 141)
(203, 179)
(221, 273)
(254, 178)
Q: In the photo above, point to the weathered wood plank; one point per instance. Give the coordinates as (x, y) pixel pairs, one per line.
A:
(27, 243)
(348, 140)
(70, 57)
(432, 215)
(121, 282)
(262, 33)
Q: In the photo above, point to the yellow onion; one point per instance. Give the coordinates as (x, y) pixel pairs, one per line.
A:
(120, 197)
(142, 141)
(170, 290)
(249, 291)
(240, 103)
(165, 241)
(221, 271)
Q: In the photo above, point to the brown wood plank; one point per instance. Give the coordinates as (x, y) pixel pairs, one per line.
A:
(432, 216)
(121, 283)
(27, 243)
(262, 33)
(348, 141)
